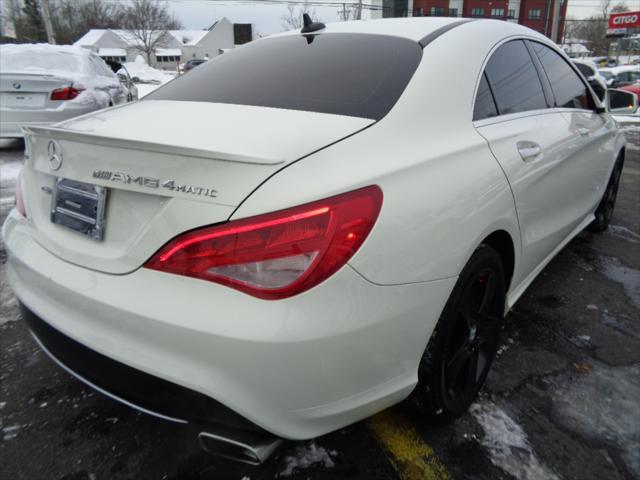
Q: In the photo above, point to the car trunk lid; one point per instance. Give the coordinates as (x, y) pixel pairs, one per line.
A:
(24, 91)
(167, 166)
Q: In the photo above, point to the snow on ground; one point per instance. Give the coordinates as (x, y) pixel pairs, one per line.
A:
(9, 172)
(604, 406)
(628, 277)
(307, 456)
(145, 89)
(624, 233)
(507, 443)
(150, 77)
(10, 432)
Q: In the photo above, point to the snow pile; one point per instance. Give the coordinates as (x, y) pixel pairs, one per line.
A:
(146, 73)
(306, 456)
(507, 444)
(42, 58)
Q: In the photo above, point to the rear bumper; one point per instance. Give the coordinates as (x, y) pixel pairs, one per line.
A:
(137, 389)
(297, 368)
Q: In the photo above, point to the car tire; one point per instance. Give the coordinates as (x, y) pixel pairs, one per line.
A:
(465, 340)
(604, 212)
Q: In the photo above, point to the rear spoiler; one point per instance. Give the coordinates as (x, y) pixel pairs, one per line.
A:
(130, 144)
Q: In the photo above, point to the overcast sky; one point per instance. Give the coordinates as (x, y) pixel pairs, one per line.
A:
(198, 14)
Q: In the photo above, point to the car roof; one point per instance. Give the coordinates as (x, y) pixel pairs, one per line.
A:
(412, 28)
(622, 68)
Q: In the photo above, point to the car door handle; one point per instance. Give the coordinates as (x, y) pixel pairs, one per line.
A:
(529, 150)
(583, 131)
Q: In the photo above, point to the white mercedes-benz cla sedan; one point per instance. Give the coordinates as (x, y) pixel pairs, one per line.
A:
(312, 227)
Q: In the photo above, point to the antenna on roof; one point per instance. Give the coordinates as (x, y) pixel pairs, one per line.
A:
(309, 25)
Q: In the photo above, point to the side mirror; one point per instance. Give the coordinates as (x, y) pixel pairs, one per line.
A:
(621, 102)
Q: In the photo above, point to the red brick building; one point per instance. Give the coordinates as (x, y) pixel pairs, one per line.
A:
(535, 14)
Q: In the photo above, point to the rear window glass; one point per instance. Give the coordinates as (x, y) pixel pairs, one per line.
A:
(346, 74)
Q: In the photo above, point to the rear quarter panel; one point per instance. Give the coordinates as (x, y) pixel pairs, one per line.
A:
(443, 190)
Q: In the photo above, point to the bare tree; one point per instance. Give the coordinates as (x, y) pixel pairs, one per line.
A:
(293, 18)
(604, 8)
(593, 30)
(348, 12)
(73, 18)
(619, 8)
(148, 22)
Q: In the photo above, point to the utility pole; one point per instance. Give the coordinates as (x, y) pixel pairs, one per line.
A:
(555, 21)
(46, 18)
(359, 14)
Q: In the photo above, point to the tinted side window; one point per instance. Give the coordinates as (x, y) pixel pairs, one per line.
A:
(567, 87)
(586, 70)
(514, 79)
(485, 107)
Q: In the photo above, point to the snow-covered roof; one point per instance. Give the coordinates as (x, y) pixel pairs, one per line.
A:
(575, 48)
(189, 37)
(622, 68)
(184, 37)
(112, 52)
(164, 52)
(89, 38)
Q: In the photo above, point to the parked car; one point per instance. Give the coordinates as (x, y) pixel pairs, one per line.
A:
(193, 63)
(604, 61)
(125, 78)
(44, 84)
(329, 227)
(634, 88)
(627, 117)
(597, 81)
(607, 75)
(624, 75)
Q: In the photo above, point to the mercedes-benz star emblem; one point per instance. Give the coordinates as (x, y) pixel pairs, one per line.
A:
(55, 155)
(17, 85)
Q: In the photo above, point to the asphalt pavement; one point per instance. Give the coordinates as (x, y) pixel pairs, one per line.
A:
(561, 402)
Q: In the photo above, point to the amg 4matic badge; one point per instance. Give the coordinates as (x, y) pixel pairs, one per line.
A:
(149, 182)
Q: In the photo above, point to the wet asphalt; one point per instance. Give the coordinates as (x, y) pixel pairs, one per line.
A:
(562, 400)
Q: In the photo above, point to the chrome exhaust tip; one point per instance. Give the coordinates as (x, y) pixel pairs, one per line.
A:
(239, 445)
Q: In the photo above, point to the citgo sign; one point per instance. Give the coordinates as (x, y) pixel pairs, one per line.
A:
(624, 20)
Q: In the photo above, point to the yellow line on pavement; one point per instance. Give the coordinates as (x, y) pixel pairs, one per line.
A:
(411, 457)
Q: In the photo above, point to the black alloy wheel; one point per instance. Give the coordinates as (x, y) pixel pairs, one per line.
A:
(464, 343)
(604, 212)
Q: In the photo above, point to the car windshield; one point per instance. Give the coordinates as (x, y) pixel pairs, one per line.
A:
(345, 74)
(606, 74)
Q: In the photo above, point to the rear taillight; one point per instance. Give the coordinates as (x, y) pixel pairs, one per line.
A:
(278, 254)
(66, 93)
(19, 198)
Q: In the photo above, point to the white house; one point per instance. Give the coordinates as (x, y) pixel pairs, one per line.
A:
(176, 45)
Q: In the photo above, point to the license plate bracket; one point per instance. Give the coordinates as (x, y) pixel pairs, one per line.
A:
(79, 206)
